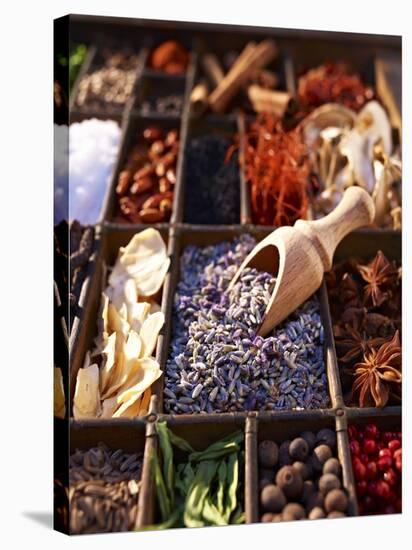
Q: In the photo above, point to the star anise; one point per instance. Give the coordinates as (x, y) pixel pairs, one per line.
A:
(379, 374)
(353, 343)
(379, 275)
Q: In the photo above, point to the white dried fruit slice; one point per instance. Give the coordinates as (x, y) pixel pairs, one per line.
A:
(144, 404)
(150, 331)
(86, 402)
(130, 409)
(149, 371)
(150, 285)
(117, 321)
(109, 406)
(139, 313)
(59, 400)
(117, 375)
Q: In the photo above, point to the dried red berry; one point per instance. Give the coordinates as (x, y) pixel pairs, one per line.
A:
(371, 470)
(371, 431)
(384, 463)
(394, 444)
(390, 476)
(382, 489)
(354, 447)
(369, 446)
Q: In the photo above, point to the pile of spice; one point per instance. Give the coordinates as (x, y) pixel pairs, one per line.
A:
(204, 490)
(217, 363)
(170, 105)
(108, 86)
(212, 186)
(333, 83)
(104, 490)
(365, 302)
(146, 182)
(170, 57)
(277, 169)
(301, 478)
(377, 466)
(118, 373)
(81, 248)
(348, 148)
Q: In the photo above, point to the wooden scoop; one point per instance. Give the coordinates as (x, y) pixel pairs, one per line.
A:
(298, 256)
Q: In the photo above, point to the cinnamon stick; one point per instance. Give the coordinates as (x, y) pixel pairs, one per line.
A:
(270, 101)
(248, 63)
(213, 69)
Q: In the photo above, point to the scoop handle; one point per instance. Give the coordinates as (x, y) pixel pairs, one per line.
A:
(355, 210)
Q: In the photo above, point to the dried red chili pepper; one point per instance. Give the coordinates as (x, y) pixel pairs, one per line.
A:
(277, 169)
(333, 82)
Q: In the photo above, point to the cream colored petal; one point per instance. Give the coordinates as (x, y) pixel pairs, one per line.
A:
(86, 402)
(59, 399)
(130, 409)
(150, 372)
(139, 313)
(108, 363)
(133, 346)
(117, 322)
(150, 331)
(144, 404)
(118, 376)
(150, 285)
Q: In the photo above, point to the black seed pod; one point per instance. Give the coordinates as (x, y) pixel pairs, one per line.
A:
(290, 481)
(326, 436)
(299, 449)
(268, 453)
(272, 498)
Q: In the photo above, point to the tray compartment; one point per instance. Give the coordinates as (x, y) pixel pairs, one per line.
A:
(207, 235)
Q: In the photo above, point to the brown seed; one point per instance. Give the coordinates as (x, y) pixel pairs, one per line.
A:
(317, 513)
(336, 500)
(165, 206)
(123, 182)
(147, 170)
(164, 185)
(290, 481)
(336, 514)
(151, 215)
(293, 511)
(308, 490)
(156, 149)
(267, 518)
(268, 453)
(303, 469)
(328, 482)
(152, 133)
(332, 466)
(171, 138)
(284, 457)
(272, 498)
(299, 449)
(171, 176)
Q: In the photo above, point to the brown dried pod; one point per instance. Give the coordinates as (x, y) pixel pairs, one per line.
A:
(336, 500)
(293, 511)
(171, 176)
(152, 133)
(123, 182)
(147, 170)
(154, 200)
(156, 149)
(151, 215)
(320, 455)
(141, 185)
(299, 449)
(165, 206)
(171, 138)
(268, 453)
(164, 185)
(272, 498)
(328, 482)
(290, 481)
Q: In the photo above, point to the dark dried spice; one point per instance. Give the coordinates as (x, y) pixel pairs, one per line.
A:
(380, 275)
(379, 375)
(277, 169)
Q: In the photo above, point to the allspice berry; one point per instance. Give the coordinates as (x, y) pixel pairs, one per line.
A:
(265, 473)
(299, 449)
(320, 455)
(263, 482)
(267, 518)
(276, 518)
(332, 466)
(290, 481)
(308, 490)
(328, 482)
(272, 498)
(284, 457)
(335, 514)
(268, 453)
(336, 501)
(310, 438)
(293, 511)
(315, 500)
(326, 436)
(302, 469)
(317, 513)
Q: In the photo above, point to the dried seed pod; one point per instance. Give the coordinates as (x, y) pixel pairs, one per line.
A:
(310, 438)
(268, 453)
(290, 481)
(308, 490)
(328, 482)
(326, 436)
(332, 466)
(272, 498)
(293, 511)
(299, 449)
(151, 215)
(317, 513)
(146, 170)
(284, 457)
(303, 469)
(336, 500)
(316, 499)
(154, 200)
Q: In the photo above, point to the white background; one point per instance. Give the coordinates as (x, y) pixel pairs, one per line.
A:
(26, 270)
